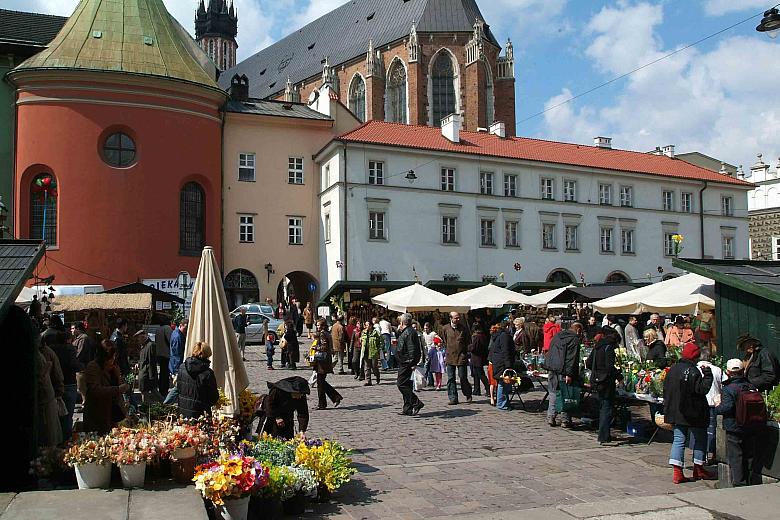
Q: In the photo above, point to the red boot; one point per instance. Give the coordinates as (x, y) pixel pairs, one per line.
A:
(679, 477)
(699, 473)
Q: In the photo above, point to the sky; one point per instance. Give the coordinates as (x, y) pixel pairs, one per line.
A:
(718, 97)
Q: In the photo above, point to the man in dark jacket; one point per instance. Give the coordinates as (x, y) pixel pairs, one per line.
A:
(601, 363)
(240, 323)
(147, 368)
(456, 338)
(57, 340)
(563, 363)
(118, 337)
(744, 451)
(178, 340)
(196, 383)
(762, 368)
(85, 352)
(162, 339)
(408, 353)
(502, 355)
(285, 398)
(686, 408)
(478, 348)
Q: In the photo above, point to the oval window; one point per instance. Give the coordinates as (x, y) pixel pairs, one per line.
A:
(119, 150)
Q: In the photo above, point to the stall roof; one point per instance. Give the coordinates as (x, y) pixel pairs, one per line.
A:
(458, 285)
(140, 288)
(591, 293)
(18, 259)
(109, 302)
(342, 286)
(755, 277)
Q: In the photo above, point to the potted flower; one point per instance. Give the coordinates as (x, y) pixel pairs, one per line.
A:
(90, 456)
(131, 450)
(301, 485)
(329, 461)
(228, 481)
(182, 441)
(270, 451)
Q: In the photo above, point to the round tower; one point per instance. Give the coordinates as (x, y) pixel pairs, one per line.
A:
(216, 27)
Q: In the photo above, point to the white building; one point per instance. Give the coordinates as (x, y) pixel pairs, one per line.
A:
(480, 203)
(764, 211)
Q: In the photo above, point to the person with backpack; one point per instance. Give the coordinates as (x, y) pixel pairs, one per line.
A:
(686, 409)
(604, 374)
(744, 419)
(762, 369)
(563, 364)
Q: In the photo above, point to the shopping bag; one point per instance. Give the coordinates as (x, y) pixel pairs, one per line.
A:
(418, 377)
(567, 397)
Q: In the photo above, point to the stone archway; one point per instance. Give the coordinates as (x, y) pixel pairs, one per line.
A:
(617, 277)
(561, 276)
(241, 287)
(300, 285)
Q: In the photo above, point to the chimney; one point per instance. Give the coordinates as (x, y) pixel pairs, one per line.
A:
(759, 171)
(450, 127)
(239, 88)
(741, 173)
(603, 142)
(498, 128)
(668, 150)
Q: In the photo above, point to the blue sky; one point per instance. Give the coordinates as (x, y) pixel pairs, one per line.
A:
(719, 97)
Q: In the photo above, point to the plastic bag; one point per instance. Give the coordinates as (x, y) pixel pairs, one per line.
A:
(418, 378)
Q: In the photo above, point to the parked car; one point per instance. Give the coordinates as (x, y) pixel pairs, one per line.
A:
(254, 330)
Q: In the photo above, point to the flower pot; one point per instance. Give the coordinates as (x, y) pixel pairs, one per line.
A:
(92, 475)
(265, 508)
(295, 506)
(323, 493)
(233, 509)
(183, 470)
(133, 474)
(183, 453)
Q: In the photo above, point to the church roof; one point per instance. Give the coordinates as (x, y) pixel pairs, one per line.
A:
(265, 107)
(131, 36)
(343, 34)
(31, 29)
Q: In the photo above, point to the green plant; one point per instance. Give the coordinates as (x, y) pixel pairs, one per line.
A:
(270, 451)
(772, 399)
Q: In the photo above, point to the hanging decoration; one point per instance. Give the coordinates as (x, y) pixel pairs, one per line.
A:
(45, 186)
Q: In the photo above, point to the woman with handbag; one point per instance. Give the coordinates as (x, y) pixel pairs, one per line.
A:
(322, 363)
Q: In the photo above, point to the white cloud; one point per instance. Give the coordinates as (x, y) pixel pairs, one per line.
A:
(310, 11)
(721, 7)
(527, 18)
(719, 102)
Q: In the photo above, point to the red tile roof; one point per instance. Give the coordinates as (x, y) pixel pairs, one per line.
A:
(485, 144)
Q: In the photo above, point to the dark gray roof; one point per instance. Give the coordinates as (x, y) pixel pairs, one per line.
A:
(275, 108)
(343, 34)
(756, 277)
(18, 258)
(30, 29)
(591, 293)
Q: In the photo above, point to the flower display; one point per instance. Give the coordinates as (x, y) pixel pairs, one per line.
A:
(88, 449)
(230, 476)
(328, 460)
(131, 446)
(48, 463)
(223, 400)
(270, 451)
(247, 401)
(183, 434)
(285, 482)
(650, 381)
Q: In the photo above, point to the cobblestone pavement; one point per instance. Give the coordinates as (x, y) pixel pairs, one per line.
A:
(469, 458)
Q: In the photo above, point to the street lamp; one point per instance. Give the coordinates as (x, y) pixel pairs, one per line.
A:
(3, 211)
(770, 23)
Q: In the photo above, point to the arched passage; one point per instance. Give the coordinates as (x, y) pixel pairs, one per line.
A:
(617, 277)
(300, 285)
(560, 276)
(241, 287)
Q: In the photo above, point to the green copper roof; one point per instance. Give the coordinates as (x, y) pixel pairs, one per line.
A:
(133, 36)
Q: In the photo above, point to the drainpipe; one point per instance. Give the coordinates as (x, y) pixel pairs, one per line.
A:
(344, 262)
(701, 218)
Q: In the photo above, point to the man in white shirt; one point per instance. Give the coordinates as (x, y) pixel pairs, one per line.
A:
(713, 398)
(386, 331)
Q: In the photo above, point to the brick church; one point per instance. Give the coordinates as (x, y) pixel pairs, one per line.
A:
(406, 61)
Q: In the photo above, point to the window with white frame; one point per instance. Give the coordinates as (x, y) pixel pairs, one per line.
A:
(627, 196)
(246, 228)
(326, 176)
(570, 190)
(727, 206)
(376, 225)
(547, 187)
(605, 194)
(669, 244)
(295, 230)
(449, 229)
(686, 202)
(246, 167)
(607, 245)
(668, 199)
(486, 183)
(627, 241)
(376, 172)
(511, 239)
(486, 232)
(571, 233)
(548, 236)
(728, 247)
(295, 170)
(448, 179)
(510, 185)
(327, 227)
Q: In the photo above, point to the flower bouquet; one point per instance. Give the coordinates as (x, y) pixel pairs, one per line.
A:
(131, 450)
(292, 486)
(182, 439)
(228, 481)
(328, 460)
(270, 451)
(247, 401)
(90, 456)
(49, 464)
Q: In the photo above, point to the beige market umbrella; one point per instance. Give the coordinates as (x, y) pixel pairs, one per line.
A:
(688, 294)
(210, 322)
(490, 296)
(416, 298)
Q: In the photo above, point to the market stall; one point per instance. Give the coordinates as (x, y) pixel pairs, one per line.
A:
(417, 298)
(688, 294)
(101, 311)
(490, 296)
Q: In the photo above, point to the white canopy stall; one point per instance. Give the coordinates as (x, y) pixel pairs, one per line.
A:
(416, 298)
(687, 294)
(490, 296)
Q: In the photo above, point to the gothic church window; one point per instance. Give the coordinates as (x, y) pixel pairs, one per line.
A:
(395, 94)
(444, 102)
(43, 209)
(357, 97)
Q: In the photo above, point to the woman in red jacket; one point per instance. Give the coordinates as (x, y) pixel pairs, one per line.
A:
(550, 329)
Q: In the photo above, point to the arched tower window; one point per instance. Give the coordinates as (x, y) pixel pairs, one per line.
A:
(43, 208)
(357, 97)
(224, 55)
(443, 100)
(211, 50)
(192, 219)
(486, 97)
(395, 94)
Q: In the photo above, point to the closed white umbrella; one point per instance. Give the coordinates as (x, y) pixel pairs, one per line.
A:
(489, 296)
(687, 294)
(417, 297)
(210, 322)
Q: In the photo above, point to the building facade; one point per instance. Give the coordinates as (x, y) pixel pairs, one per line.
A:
(271, 187)
(412, 62)
(107, 172)
(764, 211)
(481, 206)
(216, 28)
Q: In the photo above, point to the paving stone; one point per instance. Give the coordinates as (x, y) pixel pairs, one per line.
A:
(5, 499)
(631, 505)
(69, 505)
(169, 503)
